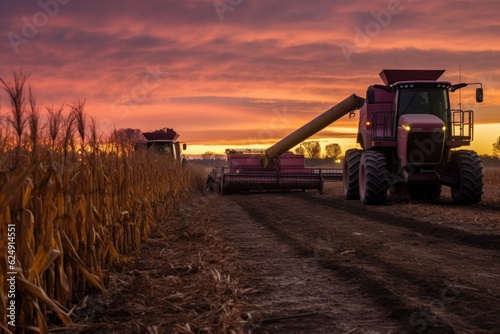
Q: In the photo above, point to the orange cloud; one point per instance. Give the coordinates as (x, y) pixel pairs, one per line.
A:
(259, 67)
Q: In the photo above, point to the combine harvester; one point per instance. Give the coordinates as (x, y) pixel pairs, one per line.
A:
(408, 135)
(163, 141)
(275, 168)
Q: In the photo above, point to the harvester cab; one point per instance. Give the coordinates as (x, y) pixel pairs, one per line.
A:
(408, 135)
(164, 141)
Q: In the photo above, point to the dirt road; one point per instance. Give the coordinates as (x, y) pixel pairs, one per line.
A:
(325, 265)
(308, 263)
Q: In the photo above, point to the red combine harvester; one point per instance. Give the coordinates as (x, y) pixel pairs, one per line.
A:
(275, 168)
(408, 134)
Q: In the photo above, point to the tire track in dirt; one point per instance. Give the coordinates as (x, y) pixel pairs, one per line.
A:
(487, 241)
(480, 207)
(379, 290)
(382, 274)
(290, 284)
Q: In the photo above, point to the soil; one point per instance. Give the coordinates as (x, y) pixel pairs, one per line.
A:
(301, 262)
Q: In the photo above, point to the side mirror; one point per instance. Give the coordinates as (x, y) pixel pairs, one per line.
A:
(479, 95)
(184, 146)
(370, 96)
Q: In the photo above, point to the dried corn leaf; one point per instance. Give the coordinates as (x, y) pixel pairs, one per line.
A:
(11, 189)
(38, 293)
(94, 279)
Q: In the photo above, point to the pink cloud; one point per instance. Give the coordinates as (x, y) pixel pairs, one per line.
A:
(226, 77)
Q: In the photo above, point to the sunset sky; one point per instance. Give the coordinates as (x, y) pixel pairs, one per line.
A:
(230, 73)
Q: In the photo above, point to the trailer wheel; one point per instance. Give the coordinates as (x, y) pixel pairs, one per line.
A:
(373, 184)
(351, 174)
(426, 191)
(467, 167)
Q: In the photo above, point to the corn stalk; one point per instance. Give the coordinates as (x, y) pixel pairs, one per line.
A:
(76, 215)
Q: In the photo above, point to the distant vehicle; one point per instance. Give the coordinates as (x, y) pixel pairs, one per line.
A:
(163, 141)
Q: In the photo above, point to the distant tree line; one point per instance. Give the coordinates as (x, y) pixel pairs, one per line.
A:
(496, 148)
(209, 155)
(312, 150)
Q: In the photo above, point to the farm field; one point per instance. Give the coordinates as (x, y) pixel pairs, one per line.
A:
(311, 263)
(178, 167)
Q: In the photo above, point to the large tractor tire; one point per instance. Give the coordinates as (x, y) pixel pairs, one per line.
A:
(467, 167)
(351, 174)
(373, 184)
(425, 191)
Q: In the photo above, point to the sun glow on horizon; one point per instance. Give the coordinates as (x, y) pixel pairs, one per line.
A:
(484, 137)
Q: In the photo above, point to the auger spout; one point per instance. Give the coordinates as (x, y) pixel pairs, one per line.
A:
(328, 117)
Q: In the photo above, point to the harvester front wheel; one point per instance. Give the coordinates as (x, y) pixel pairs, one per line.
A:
(467, 167)
(351, 174)
(373, 184)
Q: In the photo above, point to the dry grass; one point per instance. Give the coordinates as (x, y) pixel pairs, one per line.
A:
(190, 282)
(78, 205)
(491, 190)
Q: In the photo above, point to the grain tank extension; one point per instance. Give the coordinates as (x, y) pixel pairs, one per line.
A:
(276, 168)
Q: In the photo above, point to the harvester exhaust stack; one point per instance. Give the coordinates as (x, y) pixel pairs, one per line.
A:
(276, 168)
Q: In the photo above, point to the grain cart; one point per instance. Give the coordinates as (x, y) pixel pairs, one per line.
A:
(276, 168)
(163, 141)
(409, 137)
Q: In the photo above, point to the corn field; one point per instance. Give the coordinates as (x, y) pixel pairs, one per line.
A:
(78, 203)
